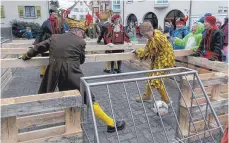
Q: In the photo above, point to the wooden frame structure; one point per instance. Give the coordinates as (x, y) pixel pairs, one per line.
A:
(213, 82)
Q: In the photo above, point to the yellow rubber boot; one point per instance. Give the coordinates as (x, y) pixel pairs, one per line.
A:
(102, 115)
(164, 96)
(43, 68)
(147, 96)
(116, 65)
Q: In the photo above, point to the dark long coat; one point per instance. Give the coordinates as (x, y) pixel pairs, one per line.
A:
(67, 52)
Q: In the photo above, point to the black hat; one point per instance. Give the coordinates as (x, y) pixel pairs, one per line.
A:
(52, 9)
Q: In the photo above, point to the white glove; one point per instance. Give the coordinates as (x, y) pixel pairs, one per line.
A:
(130, 44)
(110, 44)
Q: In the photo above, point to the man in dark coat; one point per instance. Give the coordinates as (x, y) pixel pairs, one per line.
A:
(49, 27)
(67, 52)
(212, 43)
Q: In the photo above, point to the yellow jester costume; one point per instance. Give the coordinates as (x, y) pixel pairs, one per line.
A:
(160, 51)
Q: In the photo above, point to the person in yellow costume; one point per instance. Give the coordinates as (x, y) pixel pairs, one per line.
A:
(160, 51)
(104, 22)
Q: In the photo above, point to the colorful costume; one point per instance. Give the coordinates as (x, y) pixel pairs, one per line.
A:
(67, 52)
(116, 34)
(192, 40)
(89, 24)
(211, 45)
(180, 33)
(160, 51)
(104, 16)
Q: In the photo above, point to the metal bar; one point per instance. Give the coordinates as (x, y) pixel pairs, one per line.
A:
(112, 111)
(82, 108)
(131, 111)
(166, 136)
(210, 106)
(145, 112)
(198, 105)
(190, 115)
(86, 135)
(190, 120)
(92, 112)
(134, 73)
(172, 108)
(140, 79)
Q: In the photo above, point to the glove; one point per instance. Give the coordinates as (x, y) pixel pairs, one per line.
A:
(213, 58)
(195, 55)
(130, 44)
(110, 44)
(25, 57)
(134, 51)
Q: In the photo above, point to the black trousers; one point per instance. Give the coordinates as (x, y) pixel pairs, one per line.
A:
(119, 62)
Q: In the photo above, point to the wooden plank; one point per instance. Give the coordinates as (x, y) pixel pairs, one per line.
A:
(66, 138)
(36, 103)
(9, 130)
(72, 120)
(53, 131)
(41, 119)
(203, 62)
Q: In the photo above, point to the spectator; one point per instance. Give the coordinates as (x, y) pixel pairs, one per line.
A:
(171, 28)
(193, 39)
(212, 43)
(225, 43)
(202, 21)
(180, 32)
(27, 33)
(218, 24)
(167, 29)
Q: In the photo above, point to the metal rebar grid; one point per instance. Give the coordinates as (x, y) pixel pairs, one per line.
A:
(116, 94)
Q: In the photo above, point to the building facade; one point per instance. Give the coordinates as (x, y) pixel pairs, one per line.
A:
(158, 11)
(80, 10)
(32, 11)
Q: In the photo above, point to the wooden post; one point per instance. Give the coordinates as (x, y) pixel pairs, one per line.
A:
(9, 130)
(72, 120)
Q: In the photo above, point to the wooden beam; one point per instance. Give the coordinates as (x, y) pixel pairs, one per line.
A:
(74, 137)
(9, 130)
(72, 120)
(39, 61)
(39, 103)
(52, 131)
(41, 119)
(203, 62)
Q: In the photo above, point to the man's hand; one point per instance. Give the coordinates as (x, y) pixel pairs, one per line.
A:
(195, 55)
(25, 57)
(213, 58)
(134, 51)
(110, 44)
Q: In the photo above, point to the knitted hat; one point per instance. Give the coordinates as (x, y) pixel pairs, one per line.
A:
(182, 21)
(211, 20)
(114, 17)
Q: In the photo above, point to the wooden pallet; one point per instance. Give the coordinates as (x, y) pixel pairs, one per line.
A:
(61, 120)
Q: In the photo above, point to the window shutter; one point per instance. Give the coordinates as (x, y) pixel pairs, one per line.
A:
(21, 11)
(2, 12)
(38, 9)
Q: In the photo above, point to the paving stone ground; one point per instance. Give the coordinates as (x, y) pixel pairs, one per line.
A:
(26, 81)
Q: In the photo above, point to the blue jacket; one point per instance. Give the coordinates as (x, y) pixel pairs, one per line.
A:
(27, 35)
(180, 33)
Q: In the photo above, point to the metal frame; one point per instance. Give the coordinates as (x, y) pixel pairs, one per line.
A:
(181, 72)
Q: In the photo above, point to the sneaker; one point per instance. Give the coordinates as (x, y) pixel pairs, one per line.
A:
(144, 98)
(106, 71)
(119, 124)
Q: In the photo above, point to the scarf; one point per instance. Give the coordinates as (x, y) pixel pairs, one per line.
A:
(207, 39)
(54, 25)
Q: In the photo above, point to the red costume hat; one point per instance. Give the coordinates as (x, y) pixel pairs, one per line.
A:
(114, 17)
(211, 20)
(182, 21)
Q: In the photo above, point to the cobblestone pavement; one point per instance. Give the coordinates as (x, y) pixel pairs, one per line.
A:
(26, 81)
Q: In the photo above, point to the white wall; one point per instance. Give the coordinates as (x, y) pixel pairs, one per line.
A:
(84, 13)
(11, 11)
(140, 9)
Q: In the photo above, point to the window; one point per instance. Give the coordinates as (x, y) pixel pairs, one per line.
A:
(76, 9)
(81, 3)
(30, 11)
(96, 9)
(81, 9)
(116, 5)
(81, 17)
(225, 10)
(130, 1)
(2, 12)
(220, 10)
(161, 2)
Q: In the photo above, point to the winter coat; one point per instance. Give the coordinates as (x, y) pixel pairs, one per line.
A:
(180, 33)
(225, 31)
(104, 30)
(216, 44)
(192, 40)
(67, 52)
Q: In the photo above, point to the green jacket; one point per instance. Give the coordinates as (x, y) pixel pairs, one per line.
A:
(192, 40)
